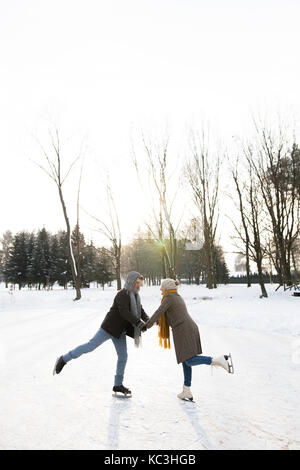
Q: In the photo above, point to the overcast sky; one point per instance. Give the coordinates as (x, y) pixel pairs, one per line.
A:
(103, 70)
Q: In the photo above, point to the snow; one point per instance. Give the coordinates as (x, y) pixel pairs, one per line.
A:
(256, 408)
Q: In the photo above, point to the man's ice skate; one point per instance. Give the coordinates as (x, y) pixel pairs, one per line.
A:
(186, 394)
(121, 392)
(225, 362)
(58, 366)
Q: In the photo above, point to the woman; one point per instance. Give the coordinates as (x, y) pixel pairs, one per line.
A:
(173, 312)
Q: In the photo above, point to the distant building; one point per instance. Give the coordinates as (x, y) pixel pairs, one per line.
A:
(195, 241)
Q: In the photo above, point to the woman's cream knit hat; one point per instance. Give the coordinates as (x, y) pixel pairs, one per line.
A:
(168, 284)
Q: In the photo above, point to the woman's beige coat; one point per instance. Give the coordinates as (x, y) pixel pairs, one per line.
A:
(185, 331)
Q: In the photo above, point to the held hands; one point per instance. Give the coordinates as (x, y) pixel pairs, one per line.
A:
(142, 326)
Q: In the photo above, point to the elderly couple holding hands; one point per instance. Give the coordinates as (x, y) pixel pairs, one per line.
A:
(128, 318)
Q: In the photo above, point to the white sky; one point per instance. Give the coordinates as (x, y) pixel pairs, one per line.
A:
(102, 70)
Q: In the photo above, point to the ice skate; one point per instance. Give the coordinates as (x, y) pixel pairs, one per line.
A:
(121, 392)
(186, 394)
(58, 366)
(225, 362)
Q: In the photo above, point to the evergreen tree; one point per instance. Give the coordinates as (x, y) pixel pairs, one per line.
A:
(41, 265)
(62, 265)
(102, 275)
(30, 249)
(6, 242)
(54, 260)
(88, 265)
(16, 264)
(1, 266)
(191, 266)
(222, 273)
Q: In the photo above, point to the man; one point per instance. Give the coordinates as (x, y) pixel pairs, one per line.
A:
(125, 318)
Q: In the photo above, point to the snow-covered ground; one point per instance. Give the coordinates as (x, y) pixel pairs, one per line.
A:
(256, 408)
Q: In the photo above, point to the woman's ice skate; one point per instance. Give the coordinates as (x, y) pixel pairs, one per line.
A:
(225, 362)
(186, 394)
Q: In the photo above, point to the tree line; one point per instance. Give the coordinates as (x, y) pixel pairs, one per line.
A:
(144, 254)
(39, 260)
(263, 181)
(266, 177)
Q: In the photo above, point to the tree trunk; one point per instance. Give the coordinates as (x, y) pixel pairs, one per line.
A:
(295, 268)
(208, 257)
(118, 274)
(248, 264)
(261, 280)
(70, 251)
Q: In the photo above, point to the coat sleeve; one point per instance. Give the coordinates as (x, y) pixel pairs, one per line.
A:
(144, 315)
(123, 305)
(159, 312)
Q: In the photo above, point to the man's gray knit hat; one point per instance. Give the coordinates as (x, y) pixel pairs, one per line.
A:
(131, 279)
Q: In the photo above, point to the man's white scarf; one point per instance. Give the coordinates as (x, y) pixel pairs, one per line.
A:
(135, 308)
(135, 303)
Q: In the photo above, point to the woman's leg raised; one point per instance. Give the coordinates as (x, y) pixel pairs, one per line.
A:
(197, 360)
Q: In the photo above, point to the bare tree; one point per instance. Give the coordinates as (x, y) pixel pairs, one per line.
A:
(250, 231)
(55, 173)
(236, 177)
(111, 230)
(77, 237)
(164, 229)
(254, 221)
(275, 165)
(202, 172)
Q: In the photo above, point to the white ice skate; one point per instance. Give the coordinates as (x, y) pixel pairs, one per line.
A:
(223, 361)
(186, 394)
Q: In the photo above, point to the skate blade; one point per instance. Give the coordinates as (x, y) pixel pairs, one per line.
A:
(54, 370)
(115, 394)
(190, 400)
(230, 364)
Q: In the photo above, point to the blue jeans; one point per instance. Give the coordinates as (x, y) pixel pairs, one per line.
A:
(189, 363)
(100, 337)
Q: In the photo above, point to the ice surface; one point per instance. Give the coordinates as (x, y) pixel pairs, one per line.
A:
(256, 408)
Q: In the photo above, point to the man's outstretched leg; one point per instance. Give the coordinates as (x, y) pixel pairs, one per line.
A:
(121, 349)
(100, 337)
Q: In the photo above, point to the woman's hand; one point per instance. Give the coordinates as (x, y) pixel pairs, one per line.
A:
(142, 325)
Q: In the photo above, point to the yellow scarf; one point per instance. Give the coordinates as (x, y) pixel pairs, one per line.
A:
(163, 326)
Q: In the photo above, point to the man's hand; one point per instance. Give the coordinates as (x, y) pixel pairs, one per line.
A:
(142, 325)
